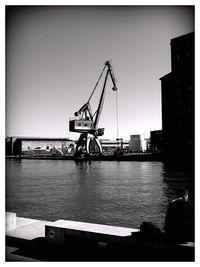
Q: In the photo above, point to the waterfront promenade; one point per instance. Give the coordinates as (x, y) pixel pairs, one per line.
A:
(36, 240)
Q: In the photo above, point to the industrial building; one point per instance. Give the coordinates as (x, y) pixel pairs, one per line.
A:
(137, 143)
(109, 146)
(38, 146)
(177, 89)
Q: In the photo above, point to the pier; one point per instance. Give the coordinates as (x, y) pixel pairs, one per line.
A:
(64, 240)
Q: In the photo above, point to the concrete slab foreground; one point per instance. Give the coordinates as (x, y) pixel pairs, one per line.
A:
(94, 228)
(37, 240)
(59, 232)
(26, 229)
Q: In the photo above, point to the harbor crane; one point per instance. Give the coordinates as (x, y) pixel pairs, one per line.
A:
(86, 122)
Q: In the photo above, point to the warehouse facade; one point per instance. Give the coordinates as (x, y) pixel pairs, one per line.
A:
(35, 146)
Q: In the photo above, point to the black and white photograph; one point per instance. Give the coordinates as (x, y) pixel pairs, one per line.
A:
(99, 133)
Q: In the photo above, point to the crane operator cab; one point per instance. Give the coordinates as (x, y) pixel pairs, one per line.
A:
(86, 122)
(82, 122)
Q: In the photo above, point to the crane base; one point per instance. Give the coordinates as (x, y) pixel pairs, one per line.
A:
(88, 145)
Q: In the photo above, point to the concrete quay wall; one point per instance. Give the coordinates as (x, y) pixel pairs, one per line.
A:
(28, 229)
(65, 240)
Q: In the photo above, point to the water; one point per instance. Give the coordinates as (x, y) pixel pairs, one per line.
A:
(113, 193)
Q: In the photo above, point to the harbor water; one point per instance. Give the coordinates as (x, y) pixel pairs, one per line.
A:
(106, 192)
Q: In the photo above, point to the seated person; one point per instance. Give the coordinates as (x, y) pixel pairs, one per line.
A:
(179, 221)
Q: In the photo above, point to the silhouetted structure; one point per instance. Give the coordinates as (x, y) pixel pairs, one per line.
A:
(178, 101)
(156, 142)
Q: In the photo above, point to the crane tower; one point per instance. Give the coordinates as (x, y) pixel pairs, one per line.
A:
(86, 122)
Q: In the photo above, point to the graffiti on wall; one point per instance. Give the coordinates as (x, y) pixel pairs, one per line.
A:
(57, 148)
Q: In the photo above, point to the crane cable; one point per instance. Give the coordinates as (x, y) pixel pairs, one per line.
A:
(117, 114)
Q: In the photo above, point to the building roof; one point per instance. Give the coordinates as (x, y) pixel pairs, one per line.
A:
(30, 138)
(166, 76)
(183, 37)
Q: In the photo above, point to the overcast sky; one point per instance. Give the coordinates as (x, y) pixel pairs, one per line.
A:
(55, 56)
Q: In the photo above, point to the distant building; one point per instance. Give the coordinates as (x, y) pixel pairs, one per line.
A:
(177, 89)
(109, 146)
(135, 143)
(36, 146)
(156, 141)
(148, 144)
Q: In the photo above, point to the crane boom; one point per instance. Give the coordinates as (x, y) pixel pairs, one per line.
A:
(99, 109)
(101, 102)
(108, 64)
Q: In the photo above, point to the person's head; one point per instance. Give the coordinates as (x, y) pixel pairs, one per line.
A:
(183, 193)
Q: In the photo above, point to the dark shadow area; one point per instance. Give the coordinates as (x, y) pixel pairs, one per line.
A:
(76, 249)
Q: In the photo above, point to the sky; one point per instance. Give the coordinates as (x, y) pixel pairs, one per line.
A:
(54, 56)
